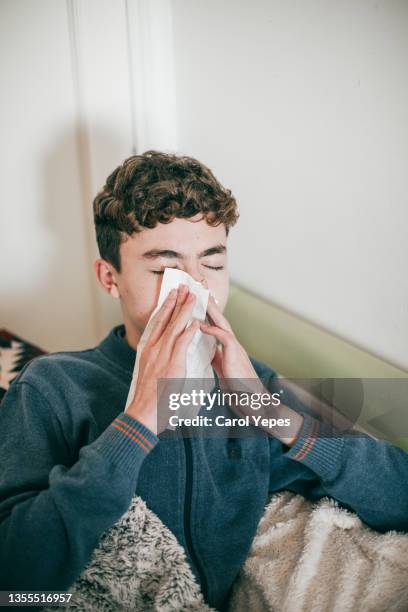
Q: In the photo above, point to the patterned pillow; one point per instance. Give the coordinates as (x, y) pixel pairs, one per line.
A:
(14, 354)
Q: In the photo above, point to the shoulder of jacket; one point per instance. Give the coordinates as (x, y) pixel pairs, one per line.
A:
(47, 368)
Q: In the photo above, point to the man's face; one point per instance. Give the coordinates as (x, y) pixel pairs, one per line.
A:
(194, 247)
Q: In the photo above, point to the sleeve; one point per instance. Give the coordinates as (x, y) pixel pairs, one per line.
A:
(53, 514)
(365, 475)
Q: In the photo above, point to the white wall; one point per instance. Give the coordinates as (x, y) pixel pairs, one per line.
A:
(78, 97)
(45, 293)
(301, 107)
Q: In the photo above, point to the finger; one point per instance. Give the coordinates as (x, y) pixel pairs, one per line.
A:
(184, 339)
(182, 295)
(225, 337)
(216, 315)
(163, 316)
(177, 324)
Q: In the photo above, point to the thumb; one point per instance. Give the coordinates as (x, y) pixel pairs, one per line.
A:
(217, 361)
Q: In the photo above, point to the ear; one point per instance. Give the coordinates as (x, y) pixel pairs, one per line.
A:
(106, 275)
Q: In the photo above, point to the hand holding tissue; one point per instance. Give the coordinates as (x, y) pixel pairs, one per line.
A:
(201, 349)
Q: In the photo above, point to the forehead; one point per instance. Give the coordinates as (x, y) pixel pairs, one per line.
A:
(189, 236)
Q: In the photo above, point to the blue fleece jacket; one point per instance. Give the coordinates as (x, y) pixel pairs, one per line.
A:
(71, 460)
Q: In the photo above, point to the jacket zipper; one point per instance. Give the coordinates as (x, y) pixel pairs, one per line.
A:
(187, 513)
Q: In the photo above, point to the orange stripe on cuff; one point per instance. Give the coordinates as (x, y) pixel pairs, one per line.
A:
(135, 431)
(129, 435)
(308, 443)
(311, 441)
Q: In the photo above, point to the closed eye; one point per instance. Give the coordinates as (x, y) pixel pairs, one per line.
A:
(210, 267)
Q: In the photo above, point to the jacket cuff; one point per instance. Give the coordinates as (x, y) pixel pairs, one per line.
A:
(319, 446)
(126, 442)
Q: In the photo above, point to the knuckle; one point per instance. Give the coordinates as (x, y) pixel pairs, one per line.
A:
(226, 335)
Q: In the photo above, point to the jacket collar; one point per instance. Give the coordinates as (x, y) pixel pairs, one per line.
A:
(115, 347)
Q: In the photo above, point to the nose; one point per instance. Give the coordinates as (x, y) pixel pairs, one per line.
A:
(199, 278)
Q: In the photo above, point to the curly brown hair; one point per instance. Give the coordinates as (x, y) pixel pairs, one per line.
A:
(156, 188)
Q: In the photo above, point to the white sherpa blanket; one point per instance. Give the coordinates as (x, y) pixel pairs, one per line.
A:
(321, 558)
(305, 558)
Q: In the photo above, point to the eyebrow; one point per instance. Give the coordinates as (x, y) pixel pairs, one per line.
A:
(156, 253)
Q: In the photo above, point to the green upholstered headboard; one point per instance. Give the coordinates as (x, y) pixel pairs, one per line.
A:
(298, 349)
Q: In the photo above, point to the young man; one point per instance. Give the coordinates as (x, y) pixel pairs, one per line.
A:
(71, 459)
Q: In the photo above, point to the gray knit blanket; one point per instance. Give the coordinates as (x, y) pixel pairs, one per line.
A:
(304, 558)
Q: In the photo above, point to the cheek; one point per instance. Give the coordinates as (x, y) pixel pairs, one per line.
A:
(220, 289)
(142, 297)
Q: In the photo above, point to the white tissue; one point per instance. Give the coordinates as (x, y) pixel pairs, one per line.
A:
(201, 349)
